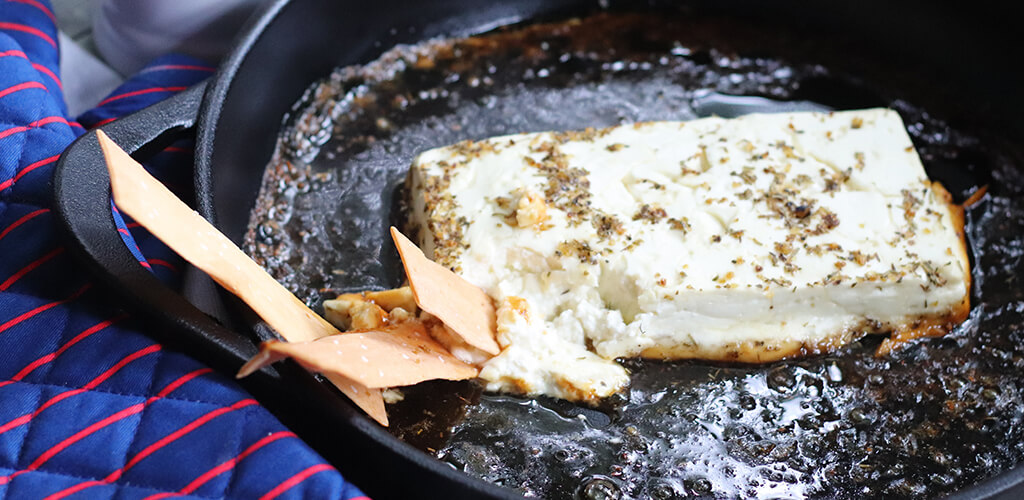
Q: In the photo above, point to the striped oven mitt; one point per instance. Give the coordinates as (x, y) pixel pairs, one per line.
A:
(89, 406)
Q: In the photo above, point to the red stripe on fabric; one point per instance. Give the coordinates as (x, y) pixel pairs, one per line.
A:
(230, 464)
(120, 415)
(38, 123)
(55, 354)
(153, 448)
(30, 30)
(13, 53)
(132, 225)
(28, 314)
(46, 71)
(27, 269)
(126, 233)
(103, 122)
(140, 92)
(24, 218)
(223, 467)
(182, 381)
(39, 6)
(176, 435)
(175, 149)
(145, 351)
(82, 434)
(21, 173)
(294, 480)
(21, 86)
(26, 418)
(39, 67)
(187, 67)
(163, 263)
(145, 264)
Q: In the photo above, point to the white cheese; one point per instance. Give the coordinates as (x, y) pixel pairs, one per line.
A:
(749, 239)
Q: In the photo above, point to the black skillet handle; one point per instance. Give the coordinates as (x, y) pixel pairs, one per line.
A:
(310, 408)
(82, 203)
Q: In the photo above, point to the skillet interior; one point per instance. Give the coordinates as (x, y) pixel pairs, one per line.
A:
(940, 415)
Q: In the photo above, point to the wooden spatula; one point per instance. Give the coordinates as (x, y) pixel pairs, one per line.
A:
(152, 205)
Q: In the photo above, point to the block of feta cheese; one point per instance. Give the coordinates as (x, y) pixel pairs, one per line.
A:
(750, 239)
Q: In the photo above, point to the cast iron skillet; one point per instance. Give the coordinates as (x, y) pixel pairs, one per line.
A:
(239, 113)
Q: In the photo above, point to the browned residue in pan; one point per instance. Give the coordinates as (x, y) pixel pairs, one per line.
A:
(932, 417)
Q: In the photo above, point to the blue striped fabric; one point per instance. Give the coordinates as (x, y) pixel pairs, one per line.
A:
(89, 406)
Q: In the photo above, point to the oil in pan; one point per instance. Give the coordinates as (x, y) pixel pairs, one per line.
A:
(939, 415)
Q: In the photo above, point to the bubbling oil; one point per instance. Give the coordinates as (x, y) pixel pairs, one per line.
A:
(936, 416)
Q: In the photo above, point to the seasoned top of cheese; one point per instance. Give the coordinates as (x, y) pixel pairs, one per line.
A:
(735, 239)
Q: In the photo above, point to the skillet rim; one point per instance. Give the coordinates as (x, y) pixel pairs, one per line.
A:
(214, 98)
(1005, 485)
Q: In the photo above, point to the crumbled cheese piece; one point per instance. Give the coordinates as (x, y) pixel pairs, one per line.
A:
(530, 210)
(537, 359)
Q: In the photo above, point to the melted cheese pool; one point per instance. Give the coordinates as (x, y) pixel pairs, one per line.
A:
(748, 239)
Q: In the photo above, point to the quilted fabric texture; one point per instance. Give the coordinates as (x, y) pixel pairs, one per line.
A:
(89, 406)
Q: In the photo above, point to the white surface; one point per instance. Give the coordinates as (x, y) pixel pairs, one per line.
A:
(86, 79)
(744, 276)
(130, 33)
